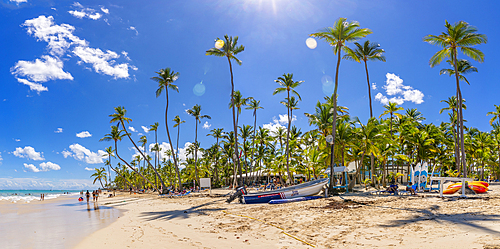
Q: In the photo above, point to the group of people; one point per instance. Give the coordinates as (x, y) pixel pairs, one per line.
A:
(95, 195)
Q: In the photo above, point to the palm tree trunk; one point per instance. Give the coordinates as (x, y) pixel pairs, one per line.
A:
(132, 168)
(135, 145)
(334, 122)
(289, 180)
(177, 172)
(252, 165)
(369, 89)
(460, 113)
(236, 158)
(196, 153)
(174, 154)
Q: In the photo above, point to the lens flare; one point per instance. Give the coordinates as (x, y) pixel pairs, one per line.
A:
(311, 43)
(219, 44)
(199, 89)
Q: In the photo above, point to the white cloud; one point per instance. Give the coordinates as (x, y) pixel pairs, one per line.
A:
(33, 86)
(28, 152)
(89, 169)
(42, 70)
(102, 62)
(83, 134)
(31, 167)
(77, 14)
(132, 129)
(59, 130)
(45, 166)
(85, 12)
(134, 29)
(60, 40)
(146, 129)
(17, 140)
(1, 158)
(58, 37)
(19, 1)
(40, 183)
(105, 10)
(374, 86)
(283, 119)
(83, 154)
(206, 125)
(394, 87)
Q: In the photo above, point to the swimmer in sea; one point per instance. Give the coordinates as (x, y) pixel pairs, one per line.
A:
(87, 195)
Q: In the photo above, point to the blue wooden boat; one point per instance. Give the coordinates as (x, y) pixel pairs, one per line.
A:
(301, 190)
(305, 198)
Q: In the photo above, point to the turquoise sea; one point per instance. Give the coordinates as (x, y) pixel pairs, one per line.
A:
(30, 195)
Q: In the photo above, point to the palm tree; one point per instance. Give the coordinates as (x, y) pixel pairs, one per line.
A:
(230, 50)
(254, 105)
(177, 124)
(119, 116)
(154, 127)
(365, 52)
(99, 175)
(452, 105)
(166, 77)
(109, 154)
(116, 135)
(217, 134)
(496, 114)
(239, 101)
(196, 113)
(143, 140)
(391, 109)
(341, 32)
(287, 84)
(461, 36)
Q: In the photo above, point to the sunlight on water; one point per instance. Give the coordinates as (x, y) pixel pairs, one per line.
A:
(199, 89)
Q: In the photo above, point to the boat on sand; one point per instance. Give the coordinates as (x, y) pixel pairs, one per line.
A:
(300, 190)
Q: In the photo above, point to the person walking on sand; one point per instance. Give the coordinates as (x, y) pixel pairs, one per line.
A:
(87, 195)
(97, 195)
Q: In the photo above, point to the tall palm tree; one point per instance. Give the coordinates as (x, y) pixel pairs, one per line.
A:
(287, 84)
(230, 50)
(461, 36)
(165, 79)
(341, 33)
(143, 140)
(177, 124)
(116, 135)
(254, 105)
(196, 113)
(99, 175)
(119, 116)
(496, 114)
(368, 51)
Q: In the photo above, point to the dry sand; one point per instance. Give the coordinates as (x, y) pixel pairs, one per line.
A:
(356, 220)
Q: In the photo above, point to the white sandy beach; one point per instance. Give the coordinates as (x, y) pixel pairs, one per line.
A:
(356, 221)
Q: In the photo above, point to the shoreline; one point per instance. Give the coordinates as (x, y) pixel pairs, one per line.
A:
(54, 223)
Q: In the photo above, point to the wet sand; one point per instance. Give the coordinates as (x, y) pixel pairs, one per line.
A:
(54, 223)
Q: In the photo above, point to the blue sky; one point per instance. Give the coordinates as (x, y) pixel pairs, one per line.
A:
(66, 65)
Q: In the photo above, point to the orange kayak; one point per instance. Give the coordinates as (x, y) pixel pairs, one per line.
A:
(477, 186)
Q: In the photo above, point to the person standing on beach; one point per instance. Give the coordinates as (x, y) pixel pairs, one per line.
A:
(97, 195)
(87, 195)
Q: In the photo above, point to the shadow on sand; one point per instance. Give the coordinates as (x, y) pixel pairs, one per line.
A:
(181, 213)
(467, 219)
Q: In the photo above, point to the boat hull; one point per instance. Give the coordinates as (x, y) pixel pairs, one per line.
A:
(301, 190)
